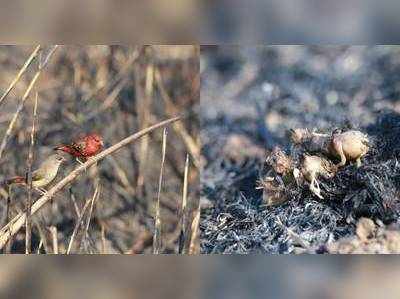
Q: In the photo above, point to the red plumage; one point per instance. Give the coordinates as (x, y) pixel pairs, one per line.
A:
(84, 147)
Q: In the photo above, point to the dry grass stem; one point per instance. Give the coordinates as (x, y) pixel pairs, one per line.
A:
(143, 108)
(124, 71)
(53, 231)
(76, 208)
(20, 73)
(184, 219)
(109, 101)
(28, 225)
(103, 239)
(191, 144)
(21, 104)
(157, 226)
(8, 203)
(122, 176)
(78, 223)
(17, 222)
(43, 238)
(94, 199)
(194, 247)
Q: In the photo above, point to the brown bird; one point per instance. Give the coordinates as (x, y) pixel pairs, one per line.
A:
(43, 176)
(84, 147)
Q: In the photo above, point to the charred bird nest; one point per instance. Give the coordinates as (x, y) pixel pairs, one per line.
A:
(240, 222)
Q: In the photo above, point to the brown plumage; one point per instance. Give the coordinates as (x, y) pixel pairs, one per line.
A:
(314, 166)
(279, 161)
(279, 175)
(349, 146)
(311, 141)
(44, 175)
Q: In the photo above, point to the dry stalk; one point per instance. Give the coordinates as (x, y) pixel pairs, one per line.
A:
(143, 108)
(109, 101)
(94, 199)
(28, 233)
(191, 144)
(103, 238)
(184, 220)
(21, 104)
(17, 222)
(20, 73)
(121, 174)
(8, 203)
(43, 238)
(78, 223)
(53, 231)
(157, 226)
(124, 71)
(73, 199)
(194, 246)
(40, 246)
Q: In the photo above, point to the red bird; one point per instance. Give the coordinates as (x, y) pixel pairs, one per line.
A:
(84, 147)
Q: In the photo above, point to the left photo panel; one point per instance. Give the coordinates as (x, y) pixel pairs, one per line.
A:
(99, 149)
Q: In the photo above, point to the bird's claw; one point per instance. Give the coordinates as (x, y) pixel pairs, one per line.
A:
(79, 161)
(358, 163)
(314, 188)
(42, 191)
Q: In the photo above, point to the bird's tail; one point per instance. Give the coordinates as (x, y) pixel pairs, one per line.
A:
(15, 180)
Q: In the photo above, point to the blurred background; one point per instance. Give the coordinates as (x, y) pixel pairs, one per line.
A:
(250, 276)
(250, 98)
(206, 22)
(115, 91)
(300, 22)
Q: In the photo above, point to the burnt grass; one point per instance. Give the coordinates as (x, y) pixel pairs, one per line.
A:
(250, 97)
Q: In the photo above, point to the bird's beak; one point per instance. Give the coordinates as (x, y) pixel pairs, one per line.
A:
(102, 142)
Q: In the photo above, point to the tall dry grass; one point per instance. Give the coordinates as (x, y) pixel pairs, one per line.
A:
(104, 207)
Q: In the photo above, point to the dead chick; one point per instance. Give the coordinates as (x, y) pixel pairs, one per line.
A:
(314, 166)
(273, 190)
(279, 174)
(279, 161)
(311, 141)
(350, 145)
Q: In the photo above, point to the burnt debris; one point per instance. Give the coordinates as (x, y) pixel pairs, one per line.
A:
(315, 89)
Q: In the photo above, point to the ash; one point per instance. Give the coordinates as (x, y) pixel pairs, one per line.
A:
(250, 98)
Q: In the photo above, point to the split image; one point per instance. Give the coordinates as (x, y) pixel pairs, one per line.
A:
(123, 149)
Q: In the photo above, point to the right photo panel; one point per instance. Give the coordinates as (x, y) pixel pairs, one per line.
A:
(300, 148)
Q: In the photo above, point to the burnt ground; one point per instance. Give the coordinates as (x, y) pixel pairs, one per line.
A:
(250, 97)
